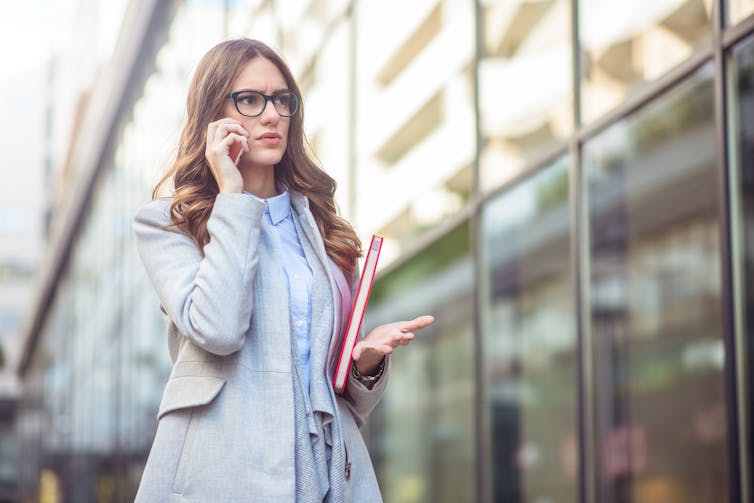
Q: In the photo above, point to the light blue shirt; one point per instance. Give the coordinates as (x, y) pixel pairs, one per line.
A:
(299, 275)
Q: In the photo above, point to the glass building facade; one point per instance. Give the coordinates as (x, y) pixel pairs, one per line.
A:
(566, 185)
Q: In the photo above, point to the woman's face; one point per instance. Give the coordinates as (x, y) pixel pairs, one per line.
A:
(268, 131)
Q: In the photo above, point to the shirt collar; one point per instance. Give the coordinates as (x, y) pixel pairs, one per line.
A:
(278, 207)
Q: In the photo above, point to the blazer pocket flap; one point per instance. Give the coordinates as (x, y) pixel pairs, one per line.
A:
(189, 391)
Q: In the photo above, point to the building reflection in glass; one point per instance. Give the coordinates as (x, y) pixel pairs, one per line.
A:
(525, 84)
(629, 44)
(739, 9)
(529, 343)
(423, 430)
(656, 301)
(415, 141)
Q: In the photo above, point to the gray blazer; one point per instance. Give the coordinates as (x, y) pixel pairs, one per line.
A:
(226, 421)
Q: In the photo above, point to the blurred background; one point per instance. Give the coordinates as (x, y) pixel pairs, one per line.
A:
(567, 185)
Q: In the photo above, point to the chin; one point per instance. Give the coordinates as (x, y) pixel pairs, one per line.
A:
(267, 158)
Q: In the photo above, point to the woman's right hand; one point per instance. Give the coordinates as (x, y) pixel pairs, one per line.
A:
(223, 139)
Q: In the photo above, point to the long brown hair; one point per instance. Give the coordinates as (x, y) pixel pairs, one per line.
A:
(194, 185)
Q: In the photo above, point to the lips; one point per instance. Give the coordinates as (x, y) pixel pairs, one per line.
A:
(270, 136)
(269, 139)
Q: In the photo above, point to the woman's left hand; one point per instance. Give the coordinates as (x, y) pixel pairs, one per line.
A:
(369, 352)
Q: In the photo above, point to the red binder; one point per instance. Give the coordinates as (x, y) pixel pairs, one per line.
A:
(357, 314)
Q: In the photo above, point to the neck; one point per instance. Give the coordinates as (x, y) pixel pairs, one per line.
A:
(259, 180)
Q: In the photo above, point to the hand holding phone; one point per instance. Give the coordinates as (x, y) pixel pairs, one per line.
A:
(235, 152)
(227, 141)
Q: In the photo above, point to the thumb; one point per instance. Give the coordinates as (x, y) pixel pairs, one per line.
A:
(356, 353)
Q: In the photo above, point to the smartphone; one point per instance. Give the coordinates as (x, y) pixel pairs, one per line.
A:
(236, 150)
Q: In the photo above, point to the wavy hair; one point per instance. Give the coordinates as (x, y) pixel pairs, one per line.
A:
(194, 186)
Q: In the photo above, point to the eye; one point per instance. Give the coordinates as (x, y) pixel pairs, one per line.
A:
(283, 99)
(250, 99)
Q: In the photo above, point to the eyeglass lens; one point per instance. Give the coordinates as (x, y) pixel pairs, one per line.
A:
(252, 103)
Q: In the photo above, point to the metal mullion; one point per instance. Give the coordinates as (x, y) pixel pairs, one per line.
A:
(726, 297)
(733, 34)
(579, 248)
(576, 66)
(737, 286)
(478, 55)
(580, 254)
(482, 455)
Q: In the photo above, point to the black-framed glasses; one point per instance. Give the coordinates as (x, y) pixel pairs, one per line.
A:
(253, 103)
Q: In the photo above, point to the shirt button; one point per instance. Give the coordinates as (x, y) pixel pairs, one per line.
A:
(299, 323)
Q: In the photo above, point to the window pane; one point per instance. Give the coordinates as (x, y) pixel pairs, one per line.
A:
(424, 425)
(740, 9)
(743, 110)
(525, 90)
(655, 301)
(629, 44)
(328, 111)
(530, 341)
(415, 127)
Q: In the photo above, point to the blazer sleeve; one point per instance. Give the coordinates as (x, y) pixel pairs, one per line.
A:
(208, 297)
(360, 399)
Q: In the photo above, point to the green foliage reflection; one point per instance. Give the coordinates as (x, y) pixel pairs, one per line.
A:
(446, 250)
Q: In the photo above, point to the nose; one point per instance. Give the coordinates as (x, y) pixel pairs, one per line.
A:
(269, 114)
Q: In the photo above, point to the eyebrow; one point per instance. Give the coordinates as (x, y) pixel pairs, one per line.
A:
(281, 90)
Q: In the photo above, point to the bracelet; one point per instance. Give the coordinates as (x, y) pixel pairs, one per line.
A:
(368, 381)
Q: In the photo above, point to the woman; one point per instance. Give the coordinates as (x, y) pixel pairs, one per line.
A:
(255, 273)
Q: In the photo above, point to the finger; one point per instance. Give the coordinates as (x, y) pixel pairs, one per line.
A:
(363, 348)
(238, 128)
(212, 126)
(356, 353)
(223, 147)
(397, 340)
(242, 147)
(224, 120)
(417, 323)
(233, 138)
(224, 130)
(406, 338)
